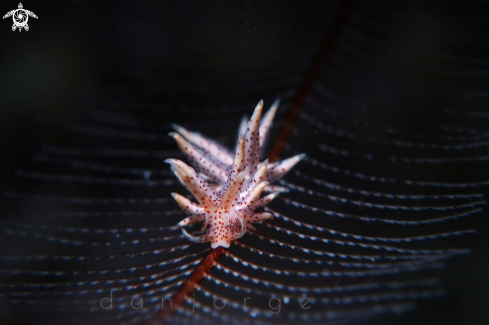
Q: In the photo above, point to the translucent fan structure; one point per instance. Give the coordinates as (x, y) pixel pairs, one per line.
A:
(385, 214)
(228, 207)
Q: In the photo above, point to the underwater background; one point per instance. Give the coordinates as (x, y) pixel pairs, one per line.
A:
(386, 219)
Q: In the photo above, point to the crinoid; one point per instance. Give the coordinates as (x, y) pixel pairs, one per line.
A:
(227, 204)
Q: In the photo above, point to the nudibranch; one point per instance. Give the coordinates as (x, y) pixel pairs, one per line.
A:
(228, 190)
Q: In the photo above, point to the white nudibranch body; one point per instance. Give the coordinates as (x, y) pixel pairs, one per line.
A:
(227, 205)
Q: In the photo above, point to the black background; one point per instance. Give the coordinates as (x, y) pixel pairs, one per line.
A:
(83, 55)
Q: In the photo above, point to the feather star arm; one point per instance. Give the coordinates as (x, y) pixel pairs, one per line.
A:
(227, 208)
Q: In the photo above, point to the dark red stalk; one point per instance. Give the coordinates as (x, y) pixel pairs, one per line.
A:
(310, 77)
(293, 112)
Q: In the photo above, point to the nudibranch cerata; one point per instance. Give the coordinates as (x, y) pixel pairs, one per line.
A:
(228, 189)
